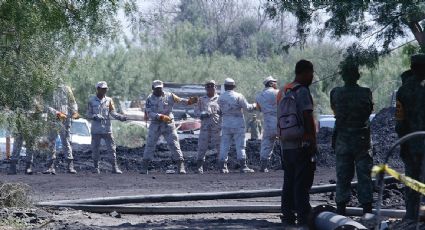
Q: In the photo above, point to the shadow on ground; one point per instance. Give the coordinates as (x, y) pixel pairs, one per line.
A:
(204, 224)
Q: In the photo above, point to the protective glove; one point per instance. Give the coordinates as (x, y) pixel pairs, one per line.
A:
(98, 117)
(192, 100)
(164, 118)
(61, 116)
(123, 118)
(205, 115)
(75, 115)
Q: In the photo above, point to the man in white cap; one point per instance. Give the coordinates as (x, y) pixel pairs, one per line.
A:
(100, 109)
(209, 112)
(62, 109)
(267, 104)
(159, 109)
(232, 105)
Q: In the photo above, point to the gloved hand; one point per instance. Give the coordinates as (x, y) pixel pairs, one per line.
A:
(164, 118)
(98, 117)
(205, 115)
(123, 118)
(61, 116)
(192, 100)
(75, 115)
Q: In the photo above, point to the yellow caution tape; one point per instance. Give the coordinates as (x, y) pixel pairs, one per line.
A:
(409, 182)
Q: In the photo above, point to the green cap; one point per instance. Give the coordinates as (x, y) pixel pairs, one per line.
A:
(418, 58)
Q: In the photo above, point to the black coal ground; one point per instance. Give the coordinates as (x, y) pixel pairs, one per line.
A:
(383, 135)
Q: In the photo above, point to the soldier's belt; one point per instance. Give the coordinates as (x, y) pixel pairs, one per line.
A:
(409, 182)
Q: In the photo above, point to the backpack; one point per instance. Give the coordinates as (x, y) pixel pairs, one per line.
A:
(289, 123)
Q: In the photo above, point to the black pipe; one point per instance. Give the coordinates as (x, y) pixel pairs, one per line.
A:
(196, 196)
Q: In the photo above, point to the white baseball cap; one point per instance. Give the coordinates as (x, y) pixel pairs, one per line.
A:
(269, 79)
(157, 84)
(229, 81)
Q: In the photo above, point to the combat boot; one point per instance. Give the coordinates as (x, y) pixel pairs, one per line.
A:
(200, 166)
(28, 168)
(145, 167)
(244, 167)
(96, 169)
(12, 168)
(181, 168)
(115, 168)
(50, 168)
(264, 165)
(71, 168)
(222, 165)
(340, 208)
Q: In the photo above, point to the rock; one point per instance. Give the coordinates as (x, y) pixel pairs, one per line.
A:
(115, 214)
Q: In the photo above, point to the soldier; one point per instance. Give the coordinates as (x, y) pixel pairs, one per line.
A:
(233, 125)
(209, 112)
(20, 135)
(100, 109)
(266, 103)
(61, 112)
(17, 148)
(254, 127)
(159, 108)
(410, 117)
(352, 106)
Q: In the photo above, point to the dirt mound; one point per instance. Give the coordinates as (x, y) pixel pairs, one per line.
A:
(384, 135)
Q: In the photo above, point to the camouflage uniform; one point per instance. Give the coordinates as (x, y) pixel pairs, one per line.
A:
(233, 125)
(208, 109)
(155, 106)
(63, 102)
(254, 127)
(102, 128)
(267, 101)
(29, 143)
(352, 106)
(410, 117)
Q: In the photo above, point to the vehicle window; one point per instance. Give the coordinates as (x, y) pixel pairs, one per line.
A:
(80, 128)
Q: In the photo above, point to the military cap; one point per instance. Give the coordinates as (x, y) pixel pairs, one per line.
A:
(102, 85)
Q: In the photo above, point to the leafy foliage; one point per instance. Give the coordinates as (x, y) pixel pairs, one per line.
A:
(382, 22)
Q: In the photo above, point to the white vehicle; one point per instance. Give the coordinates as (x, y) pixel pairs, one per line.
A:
(80, 132)
(3, 137)
(329, 120)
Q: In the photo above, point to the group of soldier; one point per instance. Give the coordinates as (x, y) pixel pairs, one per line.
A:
(223, 124)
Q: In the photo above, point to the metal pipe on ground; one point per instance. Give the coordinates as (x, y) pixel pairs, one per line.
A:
(323, 217)
(156, 198)
(168, 210)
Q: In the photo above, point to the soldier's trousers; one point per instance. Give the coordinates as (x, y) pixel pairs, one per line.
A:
(110, 145)
(229, 135)
(352, 154)
(269, 137)
(209, 135)
(17, 147)
(412, 167)
(169, 131)
(63, 130)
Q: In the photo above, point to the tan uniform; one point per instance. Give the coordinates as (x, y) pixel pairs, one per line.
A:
(208, 109)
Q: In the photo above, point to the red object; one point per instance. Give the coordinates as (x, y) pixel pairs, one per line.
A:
(190, 125)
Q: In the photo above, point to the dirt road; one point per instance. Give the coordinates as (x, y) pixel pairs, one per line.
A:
(88, 185)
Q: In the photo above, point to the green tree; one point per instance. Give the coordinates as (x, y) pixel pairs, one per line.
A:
(37, 40)
(383, 21)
